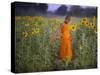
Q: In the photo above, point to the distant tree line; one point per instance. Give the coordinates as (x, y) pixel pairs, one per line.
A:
(77, 11)
(23, 8)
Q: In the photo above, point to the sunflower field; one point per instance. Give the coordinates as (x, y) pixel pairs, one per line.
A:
(35, 50)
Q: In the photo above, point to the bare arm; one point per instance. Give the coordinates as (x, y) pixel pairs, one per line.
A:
(58, 31)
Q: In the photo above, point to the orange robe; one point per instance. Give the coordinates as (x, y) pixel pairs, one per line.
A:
(65, 51)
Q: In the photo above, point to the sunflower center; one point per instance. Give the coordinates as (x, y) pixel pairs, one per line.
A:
(73, 27)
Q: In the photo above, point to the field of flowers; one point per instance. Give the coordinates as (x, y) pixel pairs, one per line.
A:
(35, 50)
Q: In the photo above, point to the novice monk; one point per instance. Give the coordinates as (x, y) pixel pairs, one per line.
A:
(65, 50)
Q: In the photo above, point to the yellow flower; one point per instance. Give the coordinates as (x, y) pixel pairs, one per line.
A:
(73, 27)
(87, 23)
(25, 33)
(84, 21)
(35, 30)
(91, 25)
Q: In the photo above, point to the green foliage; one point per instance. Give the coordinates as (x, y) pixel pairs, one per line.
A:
(36, 52)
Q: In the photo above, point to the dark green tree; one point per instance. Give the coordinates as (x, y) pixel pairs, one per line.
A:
(62, 10)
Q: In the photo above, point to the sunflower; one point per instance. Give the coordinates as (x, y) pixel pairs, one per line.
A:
(91, 25)
(73, 27)
(87, 23)
(35, 30)
(84, 21)
(25, 34)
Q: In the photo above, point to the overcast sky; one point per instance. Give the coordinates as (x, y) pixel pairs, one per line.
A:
(53, 7)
